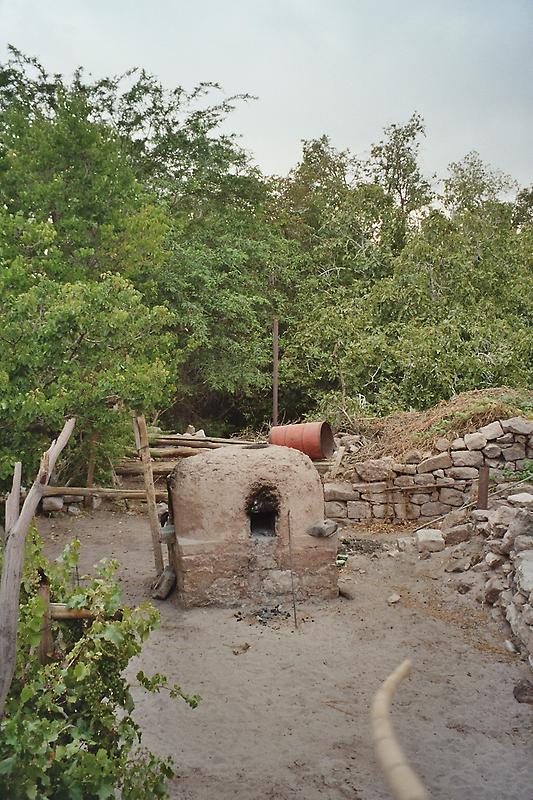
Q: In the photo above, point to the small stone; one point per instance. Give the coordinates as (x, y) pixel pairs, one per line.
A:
(492, 451)
(379, 469)
(524, 499)
(494, 560)
(393, 599)
(458, 444)
(414, 457)
(458, 534)
(404, 469)
(519, 425)
(524, 571)
(380, 511)
(406, 511)
(509, 646)
(404, 480)
(424, 480)
(442, 445)
(507, 438)
(491, 431)
(451, 496)
(475, 441)
(339, 491)
(442, 461)
(480, 514)
(492, 590)
(335, 510)
(465, 583)
(522, 543)
(404, 543)
(74, 510)
(434, 509)
(429, 540)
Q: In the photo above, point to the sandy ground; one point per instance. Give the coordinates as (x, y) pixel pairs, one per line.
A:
(288, 716)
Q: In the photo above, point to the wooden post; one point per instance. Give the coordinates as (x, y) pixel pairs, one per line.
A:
(144, 452)
(13, 562)
(483, 488)
(275, 371)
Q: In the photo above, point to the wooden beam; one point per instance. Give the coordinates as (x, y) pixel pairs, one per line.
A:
(97, 491)
(153, 518)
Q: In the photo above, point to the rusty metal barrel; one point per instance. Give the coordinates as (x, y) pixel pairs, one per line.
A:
(315, 439)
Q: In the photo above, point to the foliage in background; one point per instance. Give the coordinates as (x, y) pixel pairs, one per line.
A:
(68, 729)
(124, 207)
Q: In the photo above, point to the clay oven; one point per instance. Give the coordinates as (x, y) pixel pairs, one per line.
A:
(232, 512)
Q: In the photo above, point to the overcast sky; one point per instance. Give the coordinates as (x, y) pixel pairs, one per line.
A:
(342, 67)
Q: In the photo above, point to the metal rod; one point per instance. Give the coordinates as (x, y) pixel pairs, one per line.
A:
(292, 573)
(275, 370)
(483, 488)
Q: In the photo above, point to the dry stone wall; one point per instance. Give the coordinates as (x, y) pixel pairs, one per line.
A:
(429, 485)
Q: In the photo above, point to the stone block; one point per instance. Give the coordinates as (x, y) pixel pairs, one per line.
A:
(491, 431)
(404, 469)
(514, 453)
(458, 444)
(507, 438)
(522, 543)
(404, 480)
(451, 496)
(429, 540)
(406, 511)
(519, 425)
(50, 504)
(419, 499)
(492, 589)
(335, 509)
(435, 509)
(358, 510)
(467, 458)
(381, 511)
(414, 457)
(475, 441)
(379, 469)
(466, 473)
(424, 480)
(494, 560)
(524, 571)
(374, 487)
(442, 461)
(492, 450)
(442, 445)
(339, 491)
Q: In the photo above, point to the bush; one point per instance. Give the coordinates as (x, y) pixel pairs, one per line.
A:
(68, 731)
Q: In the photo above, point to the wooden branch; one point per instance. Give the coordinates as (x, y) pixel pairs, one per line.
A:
(402, 780)
(140, 423)
(97, 491)
(13, 500)
(13, 563)
(60, 611)
(137, 468)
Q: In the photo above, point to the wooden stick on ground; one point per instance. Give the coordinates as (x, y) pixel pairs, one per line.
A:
(401, 779)
(139, 423)
(13, 562)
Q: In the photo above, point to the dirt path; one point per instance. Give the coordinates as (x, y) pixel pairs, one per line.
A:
(288, 717)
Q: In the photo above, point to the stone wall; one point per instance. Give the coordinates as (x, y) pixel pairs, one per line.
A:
(430, 484)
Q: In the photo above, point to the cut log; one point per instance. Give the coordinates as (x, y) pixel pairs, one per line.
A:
(97, 491)
(153, 518)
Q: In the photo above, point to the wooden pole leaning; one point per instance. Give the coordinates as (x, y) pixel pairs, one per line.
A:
(141, 437)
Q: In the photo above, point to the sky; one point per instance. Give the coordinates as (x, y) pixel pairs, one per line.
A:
(346, 68)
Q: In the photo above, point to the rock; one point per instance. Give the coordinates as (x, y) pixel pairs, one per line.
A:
(455, 517)
(524, 571)
(492, 451)
(523, 692)
(458, 444)
(74, 510)
(434, 509)
(460, 473)
(480, 514)
(405, 543)
(379, 469)
(442, 445)
(373, 487)
(323, 529)
(439, 474)
(424, 480)
(451, 496)
(419, 499)
(458, 534)
(522, 543)
(404, 469)
(393, 599)
(458, 564)
(52, 504)
(406, 511)
(494, 560)
(467, 458)
(465, 583)
(519, 599)
(164, 584)
(442, 461)
(514, 453)
(429, 540)
(475, 441)
(404, 480)
(358, 510)
(519, 425)
(414, 457)
(524, 499)
(68, 499)
(491, 431)
(492, 589)
(380, 511)
(335, 510)
(339, 491)
(507, 438)
(527, 614)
